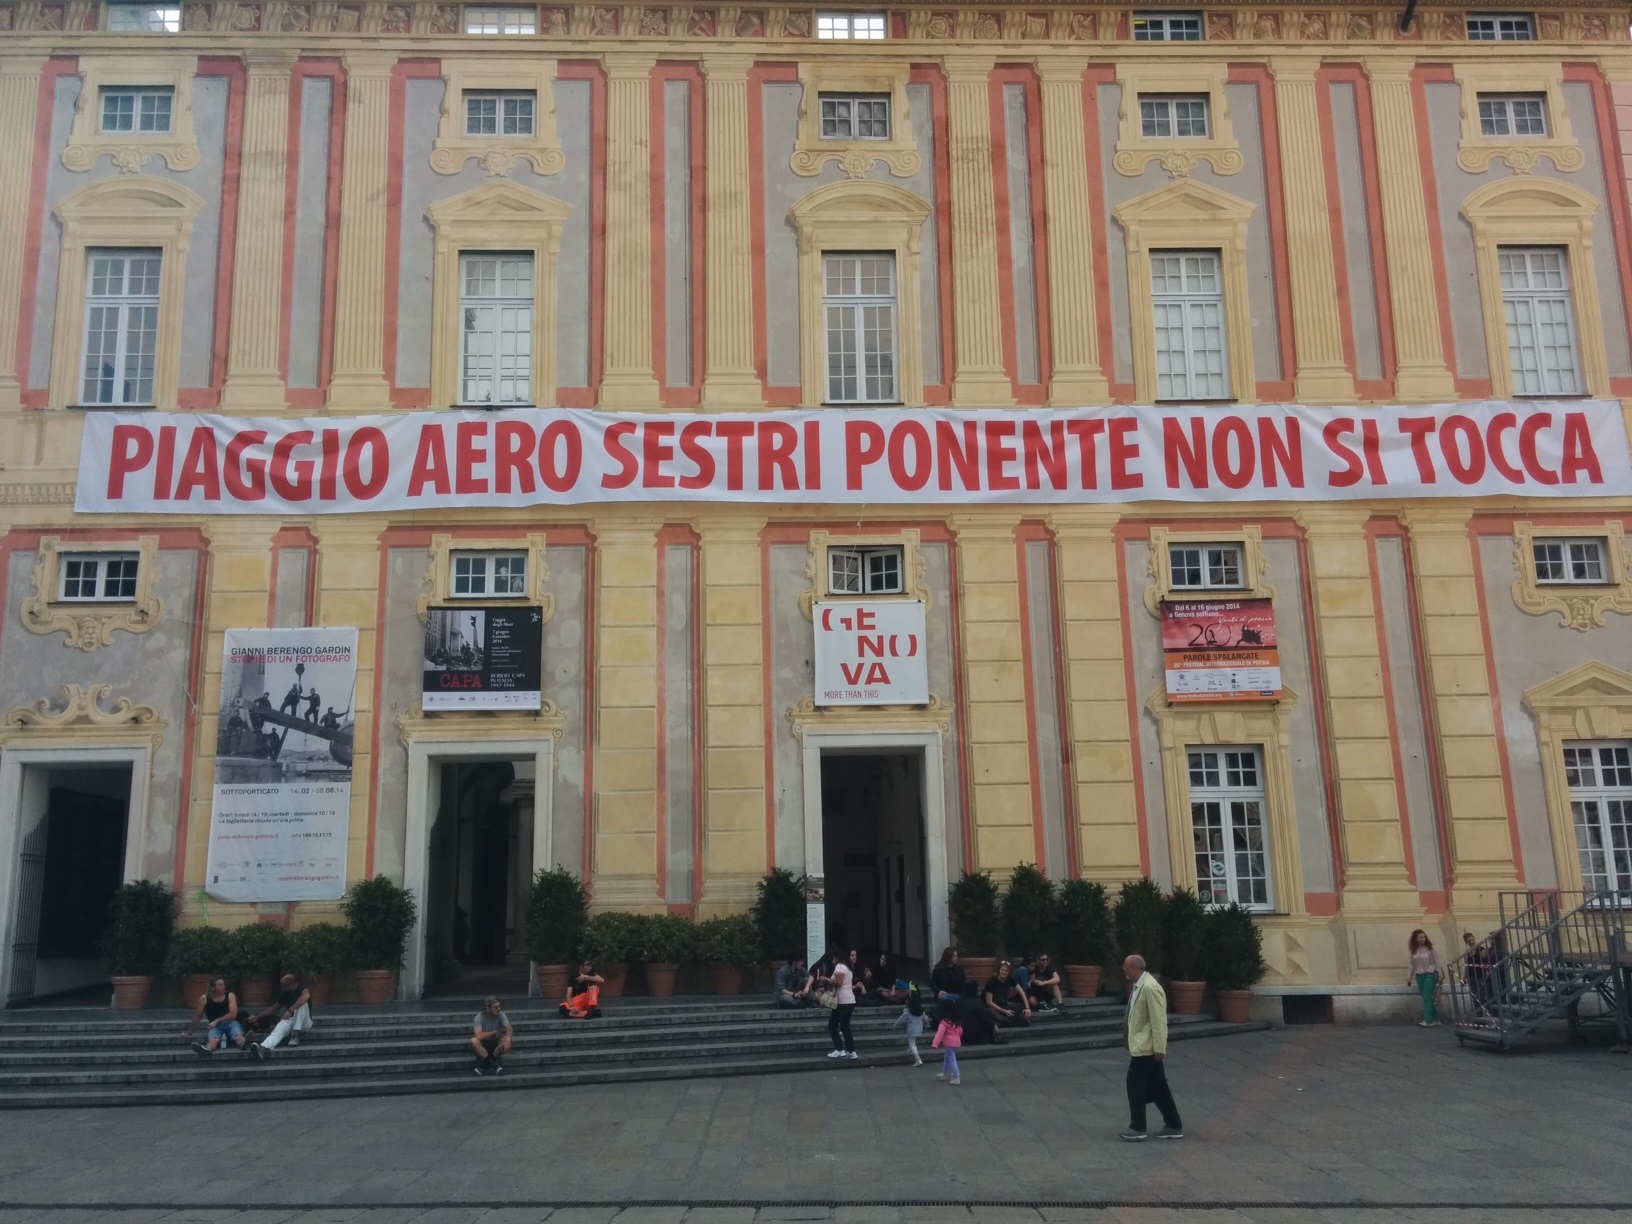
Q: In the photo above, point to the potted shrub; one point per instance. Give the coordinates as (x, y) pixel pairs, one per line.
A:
(1182, 935)
(196, 955)
(779, 915)
(141, 919)
(1030, 911)
(1084, 935)
(317, 953)
(556, 913)
(976, 927)
(725, 945)
(380, 915)
(665, 940)
(258, 953)
(609, 941)
(1233, 954)
(1139, 915)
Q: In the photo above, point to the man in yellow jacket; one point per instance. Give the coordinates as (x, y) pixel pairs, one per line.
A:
(1147, 1048)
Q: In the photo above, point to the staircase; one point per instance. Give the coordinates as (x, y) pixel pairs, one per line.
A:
(108, 1058)
(1557, 950)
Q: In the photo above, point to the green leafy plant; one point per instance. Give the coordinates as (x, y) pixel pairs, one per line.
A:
(976, 928)
(779, 913)
(1183, 931)
(1085, 923)
(1232, 948)
(141, 921)
(1031, 911)
(610, 938)
(1141, 914)
(556, 912)
(380, 915)
(323, 947)
(198, 950)
(728, 941)
(258, 950)
(665, 939)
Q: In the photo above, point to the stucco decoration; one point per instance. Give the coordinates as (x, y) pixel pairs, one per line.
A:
(1578, 607)
(1177, 155)
(806, 717)
(854, 157)
(82, 714)
(1254, 565)
(474, 726)
(131, 151)
(1521, 154)
(439, 573)
(497, 155)
(36, 494)
(90, 626)
(816, 568)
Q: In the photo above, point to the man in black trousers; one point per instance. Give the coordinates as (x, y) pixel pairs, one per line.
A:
(1147, 1046)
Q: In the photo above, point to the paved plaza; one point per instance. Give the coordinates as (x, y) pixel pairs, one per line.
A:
(1371, 1125)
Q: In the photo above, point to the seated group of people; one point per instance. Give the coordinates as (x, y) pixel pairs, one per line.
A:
(289, 1015)
(874, 982)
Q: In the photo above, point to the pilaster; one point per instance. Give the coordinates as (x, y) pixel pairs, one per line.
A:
(730, 379)
(1419, 349)
(1323, 375)
(358, 384)
(19, 98)
(1073, 330)
(253, 380)
(980, 379)
(627, 380)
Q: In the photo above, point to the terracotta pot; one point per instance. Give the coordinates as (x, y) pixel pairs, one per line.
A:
(130, 993)
(374, 986)
(552, 983)
(616, 976)
(1185, 997)
(727, 979)
(255, 992)
(1083, 980)
(978, 968)
(193, 986)
(1234, 1006)
(320, 984)
(660, 980)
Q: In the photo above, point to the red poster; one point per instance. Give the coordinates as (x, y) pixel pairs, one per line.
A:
(1220, 650)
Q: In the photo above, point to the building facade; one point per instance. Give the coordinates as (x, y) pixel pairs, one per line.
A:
(313, 212)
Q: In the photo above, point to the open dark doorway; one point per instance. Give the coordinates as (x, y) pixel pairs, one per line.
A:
(873, 854)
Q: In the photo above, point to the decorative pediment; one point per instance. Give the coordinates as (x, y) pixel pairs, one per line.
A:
(499, 202)
(1524, 196)
(1590, 684)
(806, 716)
(859, 200)
(468, 726)
(120, 198)
(81, 712)
(1185, 201)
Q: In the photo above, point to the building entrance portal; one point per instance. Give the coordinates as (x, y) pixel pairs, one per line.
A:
(873, 839)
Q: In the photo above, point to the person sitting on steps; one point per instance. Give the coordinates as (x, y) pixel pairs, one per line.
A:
(1044, 989)
(1005, 1000)
(294, 1011)
(491, 1037)
(218, 1007)
(583, 995)
(793, 986)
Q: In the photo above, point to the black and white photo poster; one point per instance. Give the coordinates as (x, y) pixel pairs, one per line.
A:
(483, 658)
(282, 799)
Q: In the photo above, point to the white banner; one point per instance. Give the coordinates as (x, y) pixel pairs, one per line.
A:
(282, 799)
(871, 653)
(186, 463)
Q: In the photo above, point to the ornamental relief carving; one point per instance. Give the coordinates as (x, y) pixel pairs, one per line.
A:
(82, 712)
(130, 152)
(90, 626)
(1578, 608)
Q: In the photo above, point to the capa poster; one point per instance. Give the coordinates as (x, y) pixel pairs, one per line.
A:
(1220, 650)
(483, 658)
(281, 806)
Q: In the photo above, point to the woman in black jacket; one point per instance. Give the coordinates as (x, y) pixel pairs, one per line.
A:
(946, 980)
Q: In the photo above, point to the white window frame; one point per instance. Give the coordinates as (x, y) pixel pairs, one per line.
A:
(1167, 27)
(1601, 810)
(1570, 560)
(1160, 118)
(500, 20)
(477, 569)
(1501, 115)
(865, 570)
(845, 317)
(143, 19)
(863, 26)
(1191, 307)
(1212, 564)
(1501, 27)
(140, 96)
(101, 570)
(507, 110)
(1545, 374)
(120, 390)
(1232, 779)
(506, 320)
(839, 116)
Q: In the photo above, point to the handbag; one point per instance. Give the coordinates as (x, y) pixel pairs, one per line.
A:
(828, 998)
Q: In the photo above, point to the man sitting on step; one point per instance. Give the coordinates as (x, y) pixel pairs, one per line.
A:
(491, 1037)
(293, 1009)
(793, 985)
(583, 994)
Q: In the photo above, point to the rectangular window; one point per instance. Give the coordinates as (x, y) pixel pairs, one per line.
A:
(851, 25)
(496, 347)
(1227, 826)
(1173, 116)
(144, 19)
(1540, 321)
(855, 116)
(1201, 567)
(143, 108)
(1512, 114)
(1599, 777)
(509, 113)
(1578, 562)
(478, 575)
(501, 21)
(1500, 27)
(1167, 27)
(865, 571)
(1187, 298)
(121, 326)
(99, 577)
(858, 301)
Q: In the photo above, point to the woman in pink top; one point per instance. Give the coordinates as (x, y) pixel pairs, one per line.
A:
(1425, 975)
(838, 1021)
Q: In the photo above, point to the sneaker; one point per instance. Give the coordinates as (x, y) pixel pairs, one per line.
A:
(852, 1055)
(917, 1062)
(1133, 1136)
(941, 1075)
(836, 1054)
(594, 1013)
(955, 1082)
(200, 1048)
(477, 1068)
(498, 1068)
(261, 1052)
(294, 1039)
(1170, 1132)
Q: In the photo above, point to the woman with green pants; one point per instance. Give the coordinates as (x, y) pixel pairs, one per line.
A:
(1425, 974)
